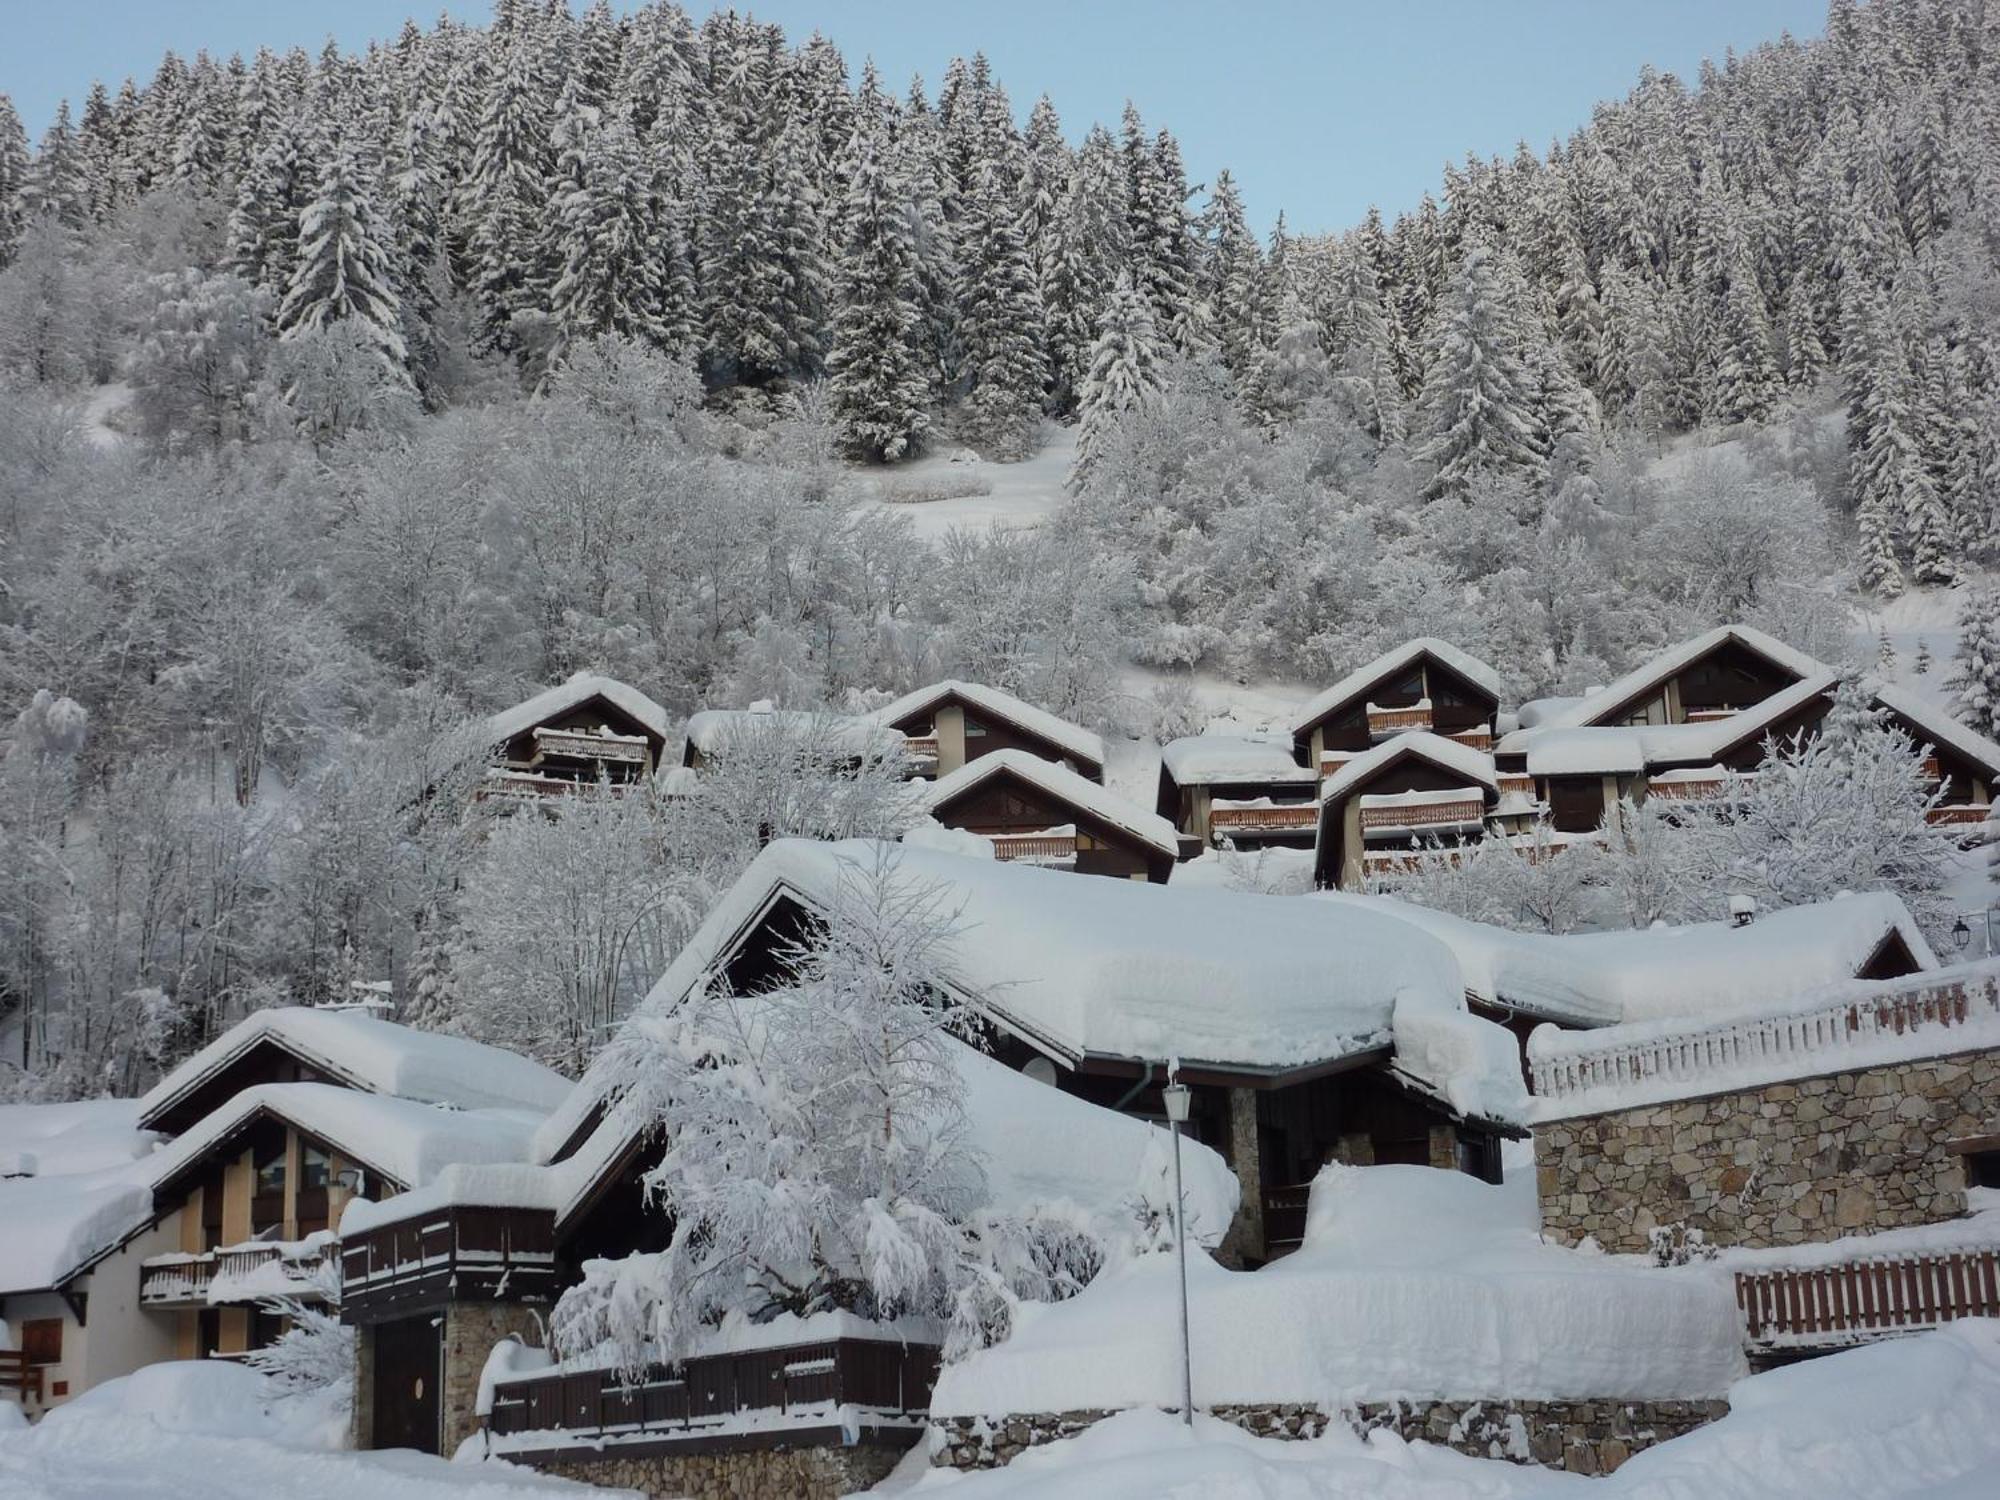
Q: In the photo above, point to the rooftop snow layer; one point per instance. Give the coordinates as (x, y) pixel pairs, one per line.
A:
(1703, 969)
(58, 1223)
(1039, 722)
(1939, 729)
(1652, 674)
(1608, 748)
(1204, 759)
(561, 698)
(712, 730)
(1361, 679)
(1060, 782)
(1476, 766)
(379, 1056)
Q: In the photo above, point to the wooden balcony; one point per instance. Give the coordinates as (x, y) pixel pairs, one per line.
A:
(1709, 715)
(16, 1374)
(1676, 788)
(582, 745)
(507, 784)
(1479, 738)
(239, 1275)
(1933, 770)
(798, 1392)
(459, 1253)
(1958, 814)
(1038, 848)
(921, 747)
(1230, 822)
(1330, 761)
(1868, 1298)
(1517, 784)
(1403, 861)
(1459, 812)
(1384, 722)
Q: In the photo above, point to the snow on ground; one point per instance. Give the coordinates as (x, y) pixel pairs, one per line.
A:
(1411, 1283)
(1022, 494)
(211, 1431)
(1904, 1418)
(104, 415)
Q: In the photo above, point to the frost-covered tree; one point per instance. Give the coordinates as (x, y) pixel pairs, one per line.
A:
(1124, 375)
(1975, 679)
(1478, 406)
(13, 179)
(879, 390)
(816, 1152)
(342, 275)
(1000, 314)
(196, 371)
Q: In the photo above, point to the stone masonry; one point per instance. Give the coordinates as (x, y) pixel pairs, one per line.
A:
(810, 1473)
(1784, 1164)
(1583, 1437)
(471, 1329)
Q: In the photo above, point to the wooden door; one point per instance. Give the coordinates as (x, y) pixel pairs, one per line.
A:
(408, 1370)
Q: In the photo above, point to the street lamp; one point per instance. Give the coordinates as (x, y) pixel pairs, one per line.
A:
(1176, 1095)
(1961, 933)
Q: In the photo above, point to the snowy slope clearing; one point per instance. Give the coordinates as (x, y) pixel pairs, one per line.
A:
(977, 493)
(208, 1431)
(1908, 1418)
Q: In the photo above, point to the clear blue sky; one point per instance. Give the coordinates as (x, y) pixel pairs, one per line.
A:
(1319, 107)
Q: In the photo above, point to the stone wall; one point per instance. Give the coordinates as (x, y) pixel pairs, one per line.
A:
(1583, 1437)
(471, 1329)
(1785, 1164)
(810, 1473)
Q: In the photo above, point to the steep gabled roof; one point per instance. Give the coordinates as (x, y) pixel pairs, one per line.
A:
(1624, 749)
(1059, 783)
(1362, 678)
(1652, 675)
(580, 689)
(1070, 738)
(1938, 729)
(1476, 766)
(372, 1055)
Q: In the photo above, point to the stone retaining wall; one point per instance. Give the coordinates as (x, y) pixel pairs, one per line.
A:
(1785, 1164)
(1583, 1437)
(471, 1329)
(812, 1473)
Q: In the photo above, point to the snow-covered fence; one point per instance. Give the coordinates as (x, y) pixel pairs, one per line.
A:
(1848, 1025)
(240, 1273)
(1867, 1297)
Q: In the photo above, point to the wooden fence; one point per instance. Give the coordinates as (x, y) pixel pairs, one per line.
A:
(1801, 1040)
(1862, 1299)
(16, 1374)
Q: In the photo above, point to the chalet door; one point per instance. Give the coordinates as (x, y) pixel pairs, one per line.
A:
(1576, 804)
(409, 1367)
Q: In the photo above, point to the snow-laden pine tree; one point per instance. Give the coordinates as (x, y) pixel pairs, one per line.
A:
(1230, 277)
(55, 185)
(612, 256)
(816, 1154)
(1124, 375)
(343, 274)
(13, 179)
(1478, 412)
(263, 226)
(1000, 316)
(1089, 254)
(1975, 679)
(1291, 375)
(879, 390)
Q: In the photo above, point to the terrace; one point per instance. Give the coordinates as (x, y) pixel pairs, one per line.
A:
(239, 1274)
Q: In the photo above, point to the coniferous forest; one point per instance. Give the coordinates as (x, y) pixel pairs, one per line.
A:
(346, 398)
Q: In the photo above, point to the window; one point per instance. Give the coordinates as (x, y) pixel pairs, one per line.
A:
(315, 1170)
(1982, 1169)
(974, 730)
(41, 1340)
(271, 1171)
(315, 1173)
(267, 1199)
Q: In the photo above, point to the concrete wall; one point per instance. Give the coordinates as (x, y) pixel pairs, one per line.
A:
(1786, 1164)
(116, 1336)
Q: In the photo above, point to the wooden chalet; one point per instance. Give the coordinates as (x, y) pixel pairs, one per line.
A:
(951, 724)
(274, 1129)
(1416, 790)
(583, 732)
(1243, 791)
(1425, 686)
(1041, 812)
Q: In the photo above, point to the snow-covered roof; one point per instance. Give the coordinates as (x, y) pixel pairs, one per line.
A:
(1652, 674)
(1938, 728)
(374, 1055)
(564, 696)
(1699, 969)
(712, 730)
(407, 1141)
(1362, 678)
(1561, 749)
(1071, 738)
(1061, 783)
(1476, 766)
(1207, 759)
(72, 1188)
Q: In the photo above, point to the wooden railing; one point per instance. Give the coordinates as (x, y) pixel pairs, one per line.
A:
(1958, 814)
(1033, 845)
(169, 1279)
(16, 1374)
(1285, 1217)
(1423, 814)
(1570, 1064)
(1689, 788)
(1867, 1298)
(575, 744)
(528, 786)
(695, 1402)
(1933, 772)
(459, 1253)
(1387, 721)
(1479, 738)
(1517, 784)
(1301, 817)
(1330, 761)
(921, 747)
(1709, 715)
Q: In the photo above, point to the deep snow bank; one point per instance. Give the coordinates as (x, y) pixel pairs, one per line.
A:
(1411, 1283)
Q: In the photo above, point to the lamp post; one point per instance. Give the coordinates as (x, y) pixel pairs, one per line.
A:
(1176, 1096)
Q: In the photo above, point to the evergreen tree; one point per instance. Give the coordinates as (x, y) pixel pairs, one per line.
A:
(343, 267)
(1975, 679)
(1089, 252)
(13, 179)
(1000, 318)
(507, 190)
(263, 227)
(55, 186)
(1478, 411)
(1231, 276)
(876, 367)
(1124, 376)
(611, 254)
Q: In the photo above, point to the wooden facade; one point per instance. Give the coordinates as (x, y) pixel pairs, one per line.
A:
(953, 731)
(1422, 693)
(450, 1254)
(1351, 831)
(1019, 816)
(589, 743)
